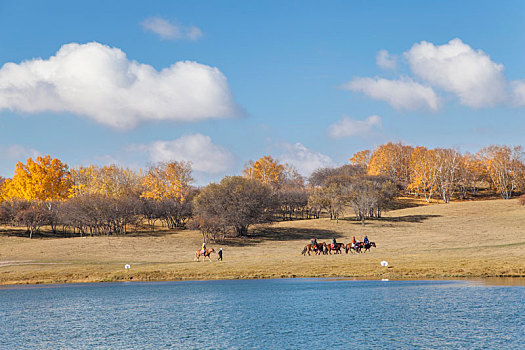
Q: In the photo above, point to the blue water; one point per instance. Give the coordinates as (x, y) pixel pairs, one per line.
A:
(264, 314)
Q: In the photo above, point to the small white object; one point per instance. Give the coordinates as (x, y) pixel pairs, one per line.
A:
(384, 263)
(127, 267)
(384, 279)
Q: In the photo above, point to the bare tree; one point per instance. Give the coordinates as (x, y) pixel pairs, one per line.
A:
(371, 195)
(34, 216)
(235, 202)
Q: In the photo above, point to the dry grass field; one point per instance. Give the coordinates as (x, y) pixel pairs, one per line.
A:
(462, 239)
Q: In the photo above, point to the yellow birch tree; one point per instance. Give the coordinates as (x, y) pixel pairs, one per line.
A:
(41, 179)
(266, 170)
(167, 180)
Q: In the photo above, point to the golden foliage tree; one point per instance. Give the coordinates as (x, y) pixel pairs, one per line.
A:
(266, 170)
(2, 188)
(167, 180)
(423, 172)
(392, 160)
(472, 172)
(361, 158)
(505, 168)
(41, 179)
(108, 181)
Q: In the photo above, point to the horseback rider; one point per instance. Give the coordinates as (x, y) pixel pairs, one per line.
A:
(314, 243)
(353, 241)
(203, 249)
(365, 240)
(334, 243)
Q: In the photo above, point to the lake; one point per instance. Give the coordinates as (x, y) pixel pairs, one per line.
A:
(264, 314)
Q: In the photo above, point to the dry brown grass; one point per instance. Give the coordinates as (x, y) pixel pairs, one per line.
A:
(465, 239)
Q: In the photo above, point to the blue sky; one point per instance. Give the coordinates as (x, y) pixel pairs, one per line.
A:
(309, 82)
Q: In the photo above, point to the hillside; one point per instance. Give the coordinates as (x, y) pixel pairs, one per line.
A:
(463, 239)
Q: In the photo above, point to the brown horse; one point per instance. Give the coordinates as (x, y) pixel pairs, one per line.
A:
(311, 248)
(204, 255)
(356, 248)
(337, 249)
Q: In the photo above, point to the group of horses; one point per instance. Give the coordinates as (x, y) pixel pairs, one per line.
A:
(317, 249)
(325, 249)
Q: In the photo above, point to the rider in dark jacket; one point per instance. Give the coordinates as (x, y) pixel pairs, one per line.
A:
(334, 242)
(365, 240)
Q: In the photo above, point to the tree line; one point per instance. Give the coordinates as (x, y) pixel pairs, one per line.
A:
(445, 173)
(107, 200)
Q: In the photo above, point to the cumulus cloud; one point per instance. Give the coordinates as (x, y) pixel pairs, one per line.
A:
(304, 159)
(455, 67)
(198, 149)
(350, 127)
(18, 152)
(400, 94)
(385, 60)
(170, 31)
(101, 83)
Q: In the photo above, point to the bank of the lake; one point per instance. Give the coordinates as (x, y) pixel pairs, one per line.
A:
(457, 240)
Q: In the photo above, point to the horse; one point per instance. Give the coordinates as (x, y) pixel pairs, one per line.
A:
(357, 248)
(309, 248)
(336, 249)
(205, 255)
(316, 249)
(368, 245)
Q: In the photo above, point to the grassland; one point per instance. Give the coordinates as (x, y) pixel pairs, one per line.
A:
(463, 239)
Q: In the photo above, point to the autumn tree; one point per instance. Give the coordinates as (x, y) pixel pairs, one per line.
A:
(423, 172)
(41, 179)
(472, 172)
(361, 158)
(265, 170)
(393, 161)
(505, 168)
(108, 181)
(3, 193)
(167, 180)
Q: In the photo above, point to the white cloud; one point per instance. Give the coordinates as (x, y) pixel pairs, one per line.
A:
(350, 127)
(198, 149)
(518, 92)
(304, 159)
(18, 152)
(101, 83)
(170, 31)
(457, 68)
(385, 60)
(400, 94)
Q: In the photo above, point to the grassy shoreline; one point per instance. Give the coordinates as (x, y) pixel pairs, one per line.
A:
(444, 241)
